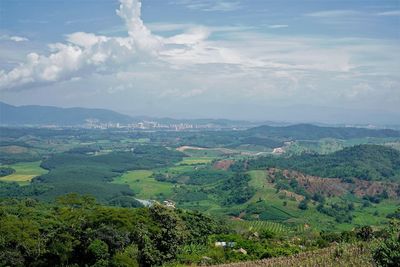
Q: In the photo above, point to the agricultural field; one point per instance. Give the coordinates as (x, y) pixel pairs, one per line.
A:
(144, 185)
(195, 161)
(24, 172)
(261, 226)
(206, 152)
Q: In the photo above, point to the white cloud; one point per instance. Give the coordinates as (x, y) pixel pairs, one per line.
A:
(211, 5)
(14, 38)
(332, 13)
(85, 40)
(390, 13)
(278, 26)
(85, 53)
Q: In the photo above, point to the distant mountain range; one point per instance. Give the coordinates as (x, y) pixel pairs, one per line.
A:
(34, 115)
(44, 115)
(313, 132)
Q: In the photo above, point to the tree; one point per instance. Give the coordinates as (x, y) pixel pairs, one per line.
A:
(365, 233)
(387, 254)
(303, 205)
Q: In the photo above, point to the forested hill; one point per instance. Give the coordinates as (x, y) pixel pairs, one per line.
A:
(367, 162)
(40, 115)
(313, 132)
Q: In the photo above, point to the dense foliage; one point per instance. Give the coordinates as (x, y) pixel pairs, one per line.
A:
(237, 188)
(387, 254)
(366, 162)
(4, 171)
(78, 232)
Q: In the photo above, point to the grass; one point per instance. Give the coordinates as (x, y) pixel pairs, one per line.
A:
(178, 169)
(357, 255)
(24, 172)
(144, 186)
(367, 216)
(266, 191)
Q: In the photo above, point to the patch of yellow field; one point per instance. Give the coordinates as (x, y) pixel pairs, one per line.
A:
(195, 160)
(24, 172)
(17, 178)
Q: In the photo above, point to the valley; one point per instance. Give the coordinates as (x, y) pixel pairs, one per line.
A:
(337, 181)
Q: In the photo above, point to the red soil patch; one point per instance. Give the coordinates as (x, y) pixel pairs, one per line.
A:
(223, 164)
(336, 186)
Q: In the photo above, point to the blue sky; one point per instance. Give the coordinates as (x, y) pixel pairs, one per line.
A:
(245, 59)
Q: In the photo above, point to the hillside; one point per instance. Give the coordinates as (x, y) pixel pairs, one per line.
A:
(313, 132)
(366, 162)
(42, 115)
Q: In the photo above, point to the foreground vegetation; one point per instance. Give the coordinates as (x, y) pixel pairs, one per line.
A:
(77, 231)
(357, 255)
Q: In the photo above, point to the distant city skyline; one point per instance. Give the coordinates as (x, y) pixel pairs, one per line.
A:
(321, 61)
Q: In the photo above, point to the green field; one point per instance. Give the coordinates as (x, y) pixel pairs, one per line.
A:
(24, 172)
(209, 152)
(266, 191)
(143, 185)
(195, 161)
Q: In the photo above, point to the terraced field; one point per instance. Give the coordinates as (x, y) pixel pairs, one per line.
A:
(24, 172)
(266, 225)
(260, 226)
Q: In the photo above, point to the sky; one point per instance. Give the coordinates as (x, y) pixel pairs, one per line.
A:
(286, 60)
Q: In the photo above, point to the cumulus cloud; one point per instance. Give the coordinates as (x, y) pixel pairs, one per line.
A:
(85, 53)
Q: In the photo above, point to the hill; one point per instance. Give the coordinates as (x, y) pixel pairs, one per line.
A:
(42, 115)
(366, 162)
(313, 132)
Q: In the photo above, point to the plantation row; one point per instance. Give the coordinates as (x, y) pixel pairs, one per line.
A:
(273, 227)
